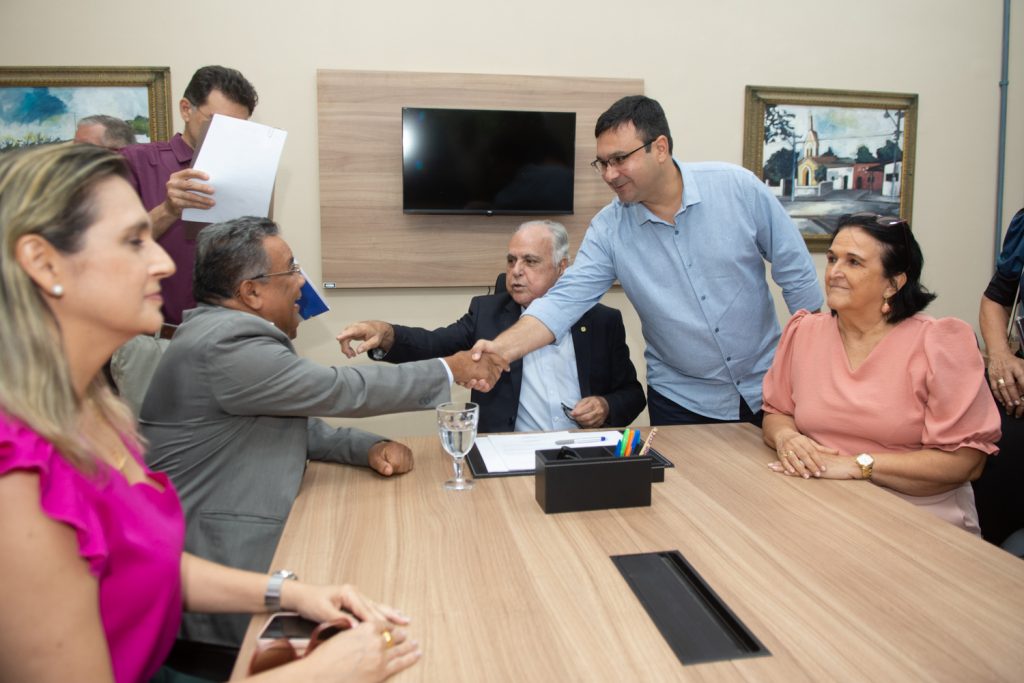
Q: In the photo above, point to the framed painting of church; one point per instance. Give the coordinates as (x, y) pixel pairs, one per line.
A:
(43, 104)
(825, 153)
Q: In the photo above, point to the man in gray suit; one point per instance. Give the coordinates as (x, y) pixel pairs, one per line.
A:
(229, 414)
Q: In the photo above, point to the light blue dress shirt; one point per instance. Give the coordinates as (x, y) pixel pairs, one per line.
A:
(697, 283)
(550, 378)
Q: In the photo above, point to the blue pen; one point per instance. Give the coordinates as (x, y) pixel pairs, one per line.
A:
(636, 442)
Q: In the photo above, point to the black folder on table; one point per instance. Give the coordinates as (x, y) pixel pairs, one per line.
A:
(695, 622)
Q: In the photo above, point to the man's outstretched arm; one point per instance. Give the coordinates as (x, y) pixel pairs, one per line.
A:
(528, 334)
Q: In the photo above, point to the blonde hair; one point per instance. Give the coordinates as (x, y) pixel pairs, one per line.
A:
(48, 191)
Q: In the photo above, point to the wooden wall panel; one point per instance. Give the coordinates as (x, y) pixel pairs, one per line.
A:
(366, 239)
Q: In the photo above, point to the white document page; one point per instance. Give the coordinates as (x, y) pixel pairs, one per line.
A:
(241, 158)
(517, 452)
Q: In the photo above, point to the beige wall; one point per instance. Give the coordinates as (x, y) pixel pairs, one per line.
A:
(695, 57)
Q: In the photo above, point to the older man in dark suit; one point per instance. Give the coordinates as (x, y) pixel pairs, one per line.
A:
(588, 371)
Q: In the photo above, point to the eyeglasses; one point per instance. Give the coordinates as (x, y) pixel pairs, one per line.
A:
(292, 270)
(866, 218)
(615, 160)
(567, 410)
(199, 109)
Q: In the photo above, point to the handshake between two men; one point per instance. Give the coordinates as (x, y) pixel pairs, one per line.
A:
(586, 381)
(378, 338)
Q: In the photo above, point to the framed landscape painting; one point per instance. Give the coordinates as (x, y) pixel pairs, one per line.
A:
(825, 153)
(40, 105)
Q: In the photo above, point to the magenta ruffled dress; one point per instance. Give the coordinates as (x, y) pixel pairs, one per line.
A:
(132, 537)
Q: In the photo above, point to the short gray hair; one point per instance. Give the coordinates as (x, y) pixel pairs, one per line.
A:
(117, 133)
(228, 253)
(559, 238)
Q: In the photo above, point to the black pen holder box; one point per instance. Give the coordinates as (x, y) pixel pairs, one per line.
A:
(576, 479)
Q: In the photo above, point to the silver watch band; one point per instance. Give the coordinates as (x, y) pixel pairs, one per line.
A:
(272, 598)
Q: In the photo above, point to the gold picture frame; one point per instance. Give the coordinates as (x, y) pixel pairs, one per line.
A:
(40, 104)
(825, 153)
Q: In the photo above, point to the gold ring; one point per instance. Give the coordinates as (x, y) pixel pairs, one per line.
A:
(791, 454)
(1001, 382)
(389, 640)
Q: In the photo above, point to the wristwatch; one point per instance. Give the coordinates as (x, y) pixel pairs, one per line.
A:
(867, 465)
(272, 598)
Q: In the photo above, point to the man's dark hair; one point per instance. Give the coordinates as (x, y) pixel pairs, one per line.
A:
(229, 81)
(228, 253)
(645, 114)
(117, 133)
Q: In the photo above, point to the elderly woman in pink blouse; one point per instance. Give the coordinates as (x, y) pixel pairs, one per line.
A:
(876, 390)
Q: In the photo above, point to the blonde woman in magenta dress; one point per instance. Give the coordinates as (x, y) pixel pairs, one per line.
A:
(95, 580)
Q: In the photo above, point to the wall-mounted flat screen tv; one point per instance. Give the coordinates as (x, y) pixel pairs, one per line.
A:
(489, 162)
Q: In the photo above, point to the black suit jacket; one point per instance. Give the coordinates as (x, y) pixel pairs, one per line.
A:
(602, 358)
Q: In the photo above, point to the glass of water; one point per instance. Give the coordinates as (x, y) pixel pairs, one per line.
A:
(456, 424)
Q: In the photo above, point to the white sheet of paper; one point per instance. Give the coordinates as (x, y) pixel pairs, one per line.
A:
(517, 452)
(241, 158)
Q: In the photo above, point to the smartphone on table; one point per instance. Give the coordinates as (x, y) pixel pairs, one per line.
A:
(296, 629)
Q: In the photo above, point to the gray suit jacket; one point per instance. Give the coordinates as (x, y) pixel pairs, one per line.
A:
(229, 416)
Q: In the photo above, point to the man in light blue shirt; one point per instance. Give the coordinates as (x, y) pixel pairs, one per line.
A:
(688, 243)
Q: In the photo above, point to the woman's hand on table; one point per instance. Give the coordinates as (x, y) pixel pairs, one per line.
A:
(831, 466)
(801, 455)
(371, 651)
(325, 603)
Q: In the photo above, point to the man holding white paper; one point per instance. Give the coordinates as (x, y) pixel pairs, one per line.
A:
(163, 176)
(242, 156)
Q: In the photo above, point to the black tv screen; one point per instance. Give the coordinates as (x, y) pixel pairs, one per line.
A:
(487, 162)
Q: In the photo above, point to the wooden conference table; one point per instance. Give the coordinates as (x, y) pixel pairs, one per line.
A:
(838, 579)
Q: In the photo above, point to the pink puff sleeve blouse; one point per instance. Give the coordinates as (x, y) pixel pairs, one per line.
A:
(921, 387)
(131, 536)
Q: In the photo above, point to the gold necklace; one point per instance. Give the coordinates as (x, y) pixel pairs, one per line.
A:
(104, 424)
(122, 462)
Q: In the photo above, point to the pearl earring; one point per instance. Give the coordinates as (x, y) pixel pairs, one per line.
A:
(57, 291)
(886, 308)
